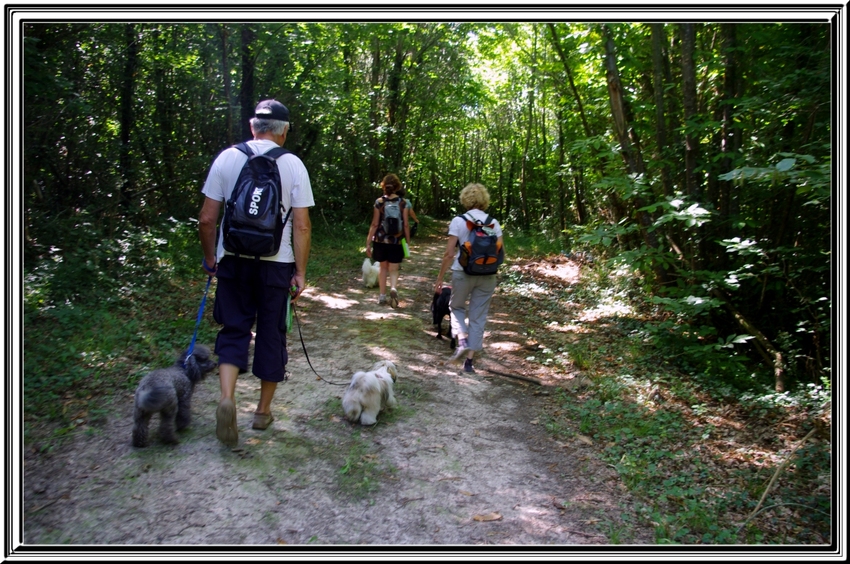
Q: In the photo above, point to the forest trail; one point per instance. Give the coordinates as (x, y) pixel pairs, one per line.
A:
(463, 460)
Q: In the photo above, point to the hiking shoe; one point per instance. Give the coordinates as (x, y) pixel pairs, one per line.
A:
(460, 351)
(262, 421)
(467, 366)
(225, 423)
(393, 298)
(382, 300)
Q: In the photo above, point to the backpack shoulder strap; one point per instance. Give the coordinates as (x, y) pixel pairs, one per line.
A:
(274, 152)
(277, 152)
(244, 148)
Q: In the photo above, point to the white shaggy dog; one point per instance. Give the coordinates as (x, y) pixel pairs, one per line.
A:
(370, 273)
(370, 392)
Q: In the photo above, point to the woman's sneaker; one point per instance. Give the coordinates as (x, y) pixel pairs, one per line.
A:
(382, 300)
(460, 351)
(393, 298)
(467, 366)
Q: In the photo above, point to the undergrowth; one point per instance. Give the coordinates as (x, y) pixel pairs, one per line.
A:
(695, 436)
(698, 448)
(86, 340)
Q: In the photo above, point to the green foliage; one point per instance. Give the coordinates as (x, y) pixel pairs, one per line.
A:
(755, 272)
(335, 248)
(89, 335)
(521, 107)
(93, 332)
(652, 451)
(530, 245)
(652, 413)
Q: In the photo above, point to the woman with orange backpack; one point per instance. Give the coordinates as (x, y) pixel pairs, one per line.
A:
(473, 272)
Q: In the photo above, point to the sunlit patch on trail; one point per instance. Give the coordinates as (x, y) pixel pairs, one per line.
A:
(611, 306)
(505, 346)
(376, 315)
(335, 302)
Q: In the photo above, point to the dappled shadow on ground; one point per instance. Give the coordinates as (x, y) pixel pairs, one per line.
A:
(343, 300)
(463, 460)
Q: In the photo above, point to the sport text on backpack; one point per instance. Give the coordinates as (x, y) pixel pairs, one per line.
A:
(392, 221)
(481, 253)
(253, 218)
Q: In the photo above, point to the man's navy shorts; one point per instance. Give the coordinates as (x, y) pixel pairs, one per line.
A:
(253, 291)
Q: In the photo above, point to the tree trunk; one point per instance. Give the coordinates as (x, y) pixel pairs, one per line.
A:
(689, 102)
(374, 162)
(164, 116)
(658, 39)
(525, 172)
(581, 209)
(562, 164)
(128, 89)
(247, 103)
(225, 74)
(556, 42)
(774, 357)
(392, 153)
(632, 158)
(630, 151)
(523, 180)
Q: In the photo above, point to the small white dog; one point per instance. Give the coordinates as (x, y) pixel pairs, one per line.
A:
(370, 273)
(370, 392)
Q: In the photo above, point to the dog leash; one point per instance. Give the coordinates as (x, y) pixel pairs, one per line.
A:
(198, 321)
(304, 347)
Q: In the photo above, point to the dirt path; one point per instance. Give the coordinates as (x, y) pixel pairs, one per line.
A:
(462, 461)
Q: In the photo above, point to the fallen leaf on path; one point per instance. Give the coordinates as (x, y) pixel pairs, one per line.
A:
(586, 440)
(464, 492)
(489, 517)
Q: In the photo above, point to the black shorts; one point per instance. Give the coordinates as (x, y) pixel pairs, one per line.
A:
(253, 291)
(387, 252)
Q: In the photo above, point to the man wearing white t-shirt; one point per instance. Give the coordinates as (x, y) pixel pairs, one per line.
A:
(253, 290)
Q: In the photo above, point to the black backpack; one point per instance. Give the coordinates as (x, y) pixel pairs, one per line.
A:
(481, 253)
(392, 220)
(253, 217)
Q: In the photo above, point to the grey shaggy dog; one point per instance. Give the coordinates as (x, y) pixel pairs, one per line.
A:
(168, 391)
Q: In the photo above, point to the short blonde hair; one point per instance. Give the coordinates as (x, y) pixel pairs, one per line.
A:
(476, 196)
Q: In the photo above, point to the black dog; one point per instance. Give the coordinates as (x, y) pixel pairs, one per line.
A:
(439, 310)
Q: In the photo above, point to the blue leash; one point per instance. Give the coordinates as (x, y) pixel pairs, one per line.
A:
(198, 322)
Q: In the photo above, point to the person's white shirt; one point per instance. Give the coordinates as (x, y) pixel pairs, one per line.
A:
(296, 190)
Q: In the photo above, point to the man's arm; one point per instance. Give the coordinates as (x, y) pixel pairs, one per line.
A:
(207, 222)
(301, 238)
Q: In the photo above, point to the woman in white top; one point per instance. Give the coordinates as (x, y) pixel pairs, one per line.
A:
(471, 295)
